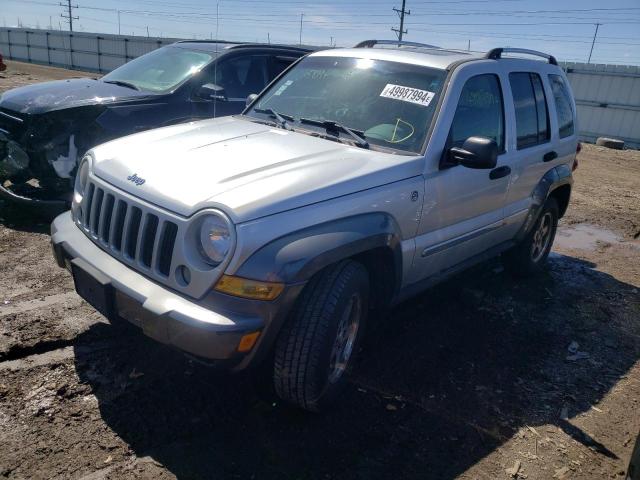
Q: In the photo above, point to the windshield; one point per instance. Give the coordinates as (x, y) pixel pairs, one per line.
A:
(161, 70)
(390, 104)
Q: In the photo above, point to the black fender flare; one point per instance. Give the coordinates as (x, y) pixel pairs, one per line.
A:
(553, 179)
(297, 256)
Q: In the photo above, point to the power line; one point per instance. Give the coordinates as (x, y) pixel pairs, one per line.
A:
(401, 13)
(524, 36)
(575, 21)
(69, 16)
(620, 10)
(301, 17)
(594, 42)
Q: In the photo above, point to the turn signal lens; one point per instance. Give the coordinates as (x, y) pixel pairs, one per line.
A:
(243, 287)
(248, 341)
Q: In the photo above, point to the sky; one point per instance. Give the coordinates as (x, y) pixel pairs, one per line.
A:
(564, 28)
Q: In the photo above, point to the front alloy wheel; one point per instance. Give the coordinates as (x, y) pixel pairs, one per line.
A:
(345, 339)
(316, 346)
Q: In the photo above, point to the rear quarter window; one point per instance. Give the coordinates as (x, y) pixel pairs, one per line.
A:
(564, 109)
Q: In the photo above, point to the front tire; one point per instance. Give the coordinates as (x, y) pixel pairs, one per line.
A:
(530, 255)
(315, 349)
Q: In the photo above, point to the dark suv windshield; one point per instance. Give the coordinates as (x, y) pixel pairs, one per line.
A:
(161, 70)
(391, 104)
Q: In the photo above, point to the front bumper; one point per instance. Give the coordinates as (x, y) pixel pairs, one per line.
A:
(209, 332)
(47, 207)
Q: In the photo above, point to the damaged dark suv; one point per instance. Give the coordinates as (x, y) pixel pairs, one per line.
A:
(46, 128)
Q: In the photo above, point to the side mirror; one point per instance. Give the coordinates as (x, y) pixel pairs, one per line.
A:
(211, 91)
(251, 98)
(476, 152)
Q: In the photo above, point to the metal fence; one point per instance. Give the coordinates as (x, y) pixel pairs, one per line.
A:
(607, 96)
(608, 101)
(76, 50)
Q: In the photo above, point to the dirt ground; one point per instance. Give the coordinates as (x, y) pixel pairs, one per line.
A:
(471, 380)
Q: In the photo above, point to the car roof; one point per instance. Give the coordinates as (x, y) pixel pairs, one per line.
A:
(223, 47)
(434, 57)
(428, 55)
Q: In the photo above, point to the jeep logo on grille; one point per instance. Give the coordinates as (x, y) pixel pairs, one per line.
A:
(136, 179)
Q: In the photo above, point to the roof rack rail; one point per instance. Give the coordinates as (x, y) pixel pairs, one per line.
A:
(496, 53)
(399, 43)
(207, 41)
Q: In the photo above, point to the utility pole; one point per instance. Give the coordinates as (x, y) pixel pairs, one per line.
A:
(301, 17)
(118, 22)
(401, 13)
(594, 41)
(468, 45)
(69, 16)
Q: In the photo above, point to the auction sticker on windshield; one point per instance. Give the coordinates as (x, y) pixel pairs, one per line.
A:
(408, 94)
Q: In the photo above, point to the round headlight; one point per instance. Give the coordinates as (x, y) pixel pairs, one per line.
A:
(215, 239)
(80, 184)
(82, 177)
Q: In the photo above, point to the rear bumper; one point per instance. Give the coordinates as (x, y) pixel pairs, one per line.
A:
(207, 332)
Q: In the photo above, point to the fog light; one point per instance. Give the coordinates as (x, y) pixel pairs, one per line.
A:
(248, 341)
(243, 287)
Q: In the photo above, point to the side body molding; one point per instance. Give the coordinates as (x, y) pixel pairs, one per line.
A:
(553, 179)
(297, 256)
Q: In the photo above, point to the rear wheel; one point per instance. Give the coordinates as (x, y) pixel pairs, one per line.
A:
(316, 347)
(529, 256)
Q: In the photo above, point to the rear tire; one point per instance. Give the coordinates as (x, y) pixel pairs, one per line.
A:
(315, 349)
(530, 255)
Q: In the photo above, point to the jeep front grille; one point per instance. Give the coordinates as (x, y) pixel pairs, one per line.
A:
(131, 232)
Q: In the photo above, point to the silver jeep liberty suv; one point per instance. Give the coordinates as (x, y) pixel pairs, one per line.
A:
(358, 178)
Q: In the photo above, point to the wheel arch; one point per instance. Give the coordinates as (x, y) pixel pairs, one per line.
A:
(372, 239)
(556, 182)
(562, 194)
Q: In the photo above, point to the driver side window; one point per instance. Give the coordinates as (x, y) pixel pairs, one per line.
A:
(480, 112)
(242, 76)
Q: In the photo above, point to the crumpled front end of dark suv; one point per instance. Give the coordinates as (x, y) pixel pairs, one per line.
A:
(39, 153)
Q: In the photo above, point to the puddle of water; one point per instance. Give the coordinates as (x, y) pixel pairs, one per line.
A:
(584, 237)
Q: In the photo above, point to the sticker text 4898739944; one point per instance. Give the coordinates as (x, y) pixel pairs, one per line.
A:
(407, 94)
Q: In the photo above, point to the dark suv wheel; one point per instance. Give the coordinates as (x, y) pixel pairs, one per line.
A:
(316, 346)
(530, 255)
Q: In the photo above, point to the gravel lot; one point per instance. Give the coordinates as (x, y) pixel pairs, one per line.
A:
(472, 379)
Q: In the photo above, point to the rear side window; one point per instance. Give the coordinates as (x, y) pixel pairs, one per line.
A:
(479, 112)
(562, 97)
(532, 114)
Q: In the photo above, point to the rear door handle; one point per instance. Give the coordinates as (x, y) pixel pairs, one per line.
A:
(499, 172)
(550, 156)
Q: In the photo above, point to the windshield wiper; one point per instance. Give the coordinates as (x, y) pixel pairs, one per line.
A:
(122, 83)
(335, 126)
(282, 121)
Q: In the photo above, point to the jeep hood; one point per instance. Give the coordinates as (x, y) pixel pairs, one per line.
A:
(246, 168)
(49, 96)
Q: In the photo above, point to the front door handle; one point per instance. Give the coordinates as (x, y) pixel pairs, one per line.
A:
(499, 172)
(550, 156)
